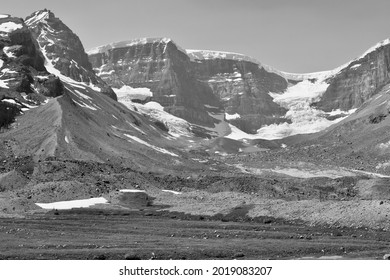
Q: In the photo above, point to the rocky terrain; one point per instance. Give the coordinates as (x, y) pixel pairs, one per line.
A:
(207, 147)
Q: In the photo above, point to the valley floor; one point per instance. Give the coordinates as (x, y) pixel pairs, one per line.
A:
(153, 234)
(233, 208)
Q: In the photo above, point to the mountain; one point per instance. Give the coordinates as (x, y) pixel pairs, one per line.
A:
(161, 66)
(359, 80)
(146, 128)
(62, 108)
(247, 98)
(63, 50)
(22, 85)
(187, 85)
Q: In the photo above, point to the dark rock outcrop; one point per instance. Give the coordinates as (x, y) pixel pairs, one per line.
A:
(21, 64)
(242, 86)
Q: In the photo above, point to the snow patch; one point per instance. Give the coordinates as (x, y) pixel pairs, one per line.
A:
(355, 66)
(304, 119)
(384, 145)
(82, 95)
(4, 16)
(3, 84)
(232, 117)
(161, 150)
(66, 139)
(12, 101)
(38, 16)
(132, 191)
(10, 26)
(82, 203)
(133, 93)
(82, 104)
(169, 191)
(8, 52)
(177, 126)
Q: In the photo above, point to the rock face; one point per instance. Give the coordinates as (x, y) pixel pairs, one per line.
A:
(161, 66)
(359, 81)
(36, 57)
(242, 85)
(21, 63)
(187, 85)
(64, 50)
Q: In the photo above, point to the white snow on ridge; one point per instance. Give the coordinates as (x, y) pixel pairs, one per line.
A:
(326, 74)
(129, 43)
(209, 54)
(374, 48)
(39, 16)
(82, 203)
(4, 16)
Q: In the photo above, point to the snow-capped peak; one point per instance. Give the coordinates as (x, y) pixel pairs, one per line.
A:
(129, 43)
(374, 48)
(209, 54)
(37, 16)
(326, 74)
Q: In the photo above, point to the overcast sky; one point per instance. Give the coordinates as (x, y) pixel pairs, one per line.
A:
(290, 35)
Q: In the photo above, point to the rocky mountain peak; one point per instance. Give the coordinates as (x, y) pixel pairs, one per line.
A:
(63, 51)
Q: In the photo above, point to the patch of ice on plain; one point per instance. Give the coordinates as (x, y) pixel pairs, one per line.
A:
(131, 191)
(169, 191)
(81, 203)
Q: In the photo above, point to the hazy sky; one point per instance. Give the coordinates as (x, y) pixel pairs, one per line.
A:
(290, 35)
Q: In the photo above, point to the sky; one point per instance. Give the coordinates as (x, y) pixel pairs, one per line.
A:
(298, 36)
